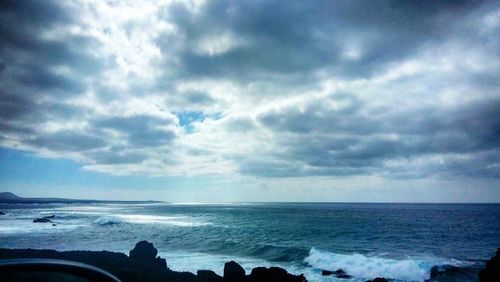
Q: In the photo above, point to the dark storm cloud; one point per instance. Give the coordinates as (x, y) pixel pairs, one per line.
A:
(269, 167)
(312, 144)
(484, 165)
(39, 13)
(140, 130)
(16, 106)
(40, 75)
(32, 85)
(38, 78)
(189, 100)
(59, 69)
(30, 58)
(319, 117)
(117, 155)
(43, 68)
(66, 140)
(298, 37)
(25, 109)
(198, 98)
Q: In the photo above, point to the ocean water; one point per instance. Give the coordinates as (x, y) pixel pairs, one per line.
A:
(403, 242)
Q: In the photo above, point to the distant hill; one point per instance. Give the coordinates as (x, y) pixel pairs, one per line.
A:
(8, 197)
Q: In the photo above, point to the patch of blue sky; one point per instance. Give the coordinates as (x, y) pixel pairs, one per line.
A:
(186, 119)
(30, 175)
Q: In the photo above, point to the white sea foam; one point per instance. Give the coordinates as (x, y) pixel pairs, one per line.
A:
(193, 261)
(182, 221)
(368, 267)
(86, 209)
(211, 204)
(14, 226)
(103, 221)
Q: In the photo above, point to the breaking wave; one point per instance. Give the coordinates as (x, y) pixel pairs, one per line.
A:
(361, 266)
(180, 221)
(105, 221)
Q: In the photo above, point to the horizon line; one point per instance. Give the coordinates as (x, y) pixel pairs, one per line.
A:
(245, 202)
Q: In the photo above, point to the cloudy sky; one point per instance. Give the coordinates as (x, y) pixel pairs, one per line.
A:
(394, 101)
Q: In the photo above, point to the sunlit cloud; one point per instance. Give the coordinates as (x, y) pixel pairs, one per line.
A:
(255, 89)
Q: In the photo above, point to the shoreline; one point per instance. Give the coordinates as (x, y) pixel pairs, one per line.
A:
(37, 227)
(143, 264)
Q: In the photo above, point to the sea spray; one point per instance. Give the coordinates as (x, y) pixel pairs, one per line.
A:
(361, 266)
(413, 239)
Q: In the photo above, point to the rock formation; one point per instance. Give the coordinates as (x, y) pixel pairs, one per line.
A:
(143, 265)
(378, 279)
(273, 274)
(143, 250)
(491, 272)
(339, 273)
(42, 220)
(233, 272)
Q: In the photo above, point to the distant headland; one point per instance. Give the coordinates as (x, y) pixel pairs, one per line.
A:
(8, 197)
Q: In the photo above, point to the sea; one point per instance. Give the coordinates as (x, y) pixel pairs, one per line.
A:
(402, 242)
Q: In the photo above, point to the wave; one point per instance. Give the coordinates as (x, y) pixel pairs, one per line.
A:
(367, 267)
(180, 221)
(276, 253)
(193, 261)
(105, 221)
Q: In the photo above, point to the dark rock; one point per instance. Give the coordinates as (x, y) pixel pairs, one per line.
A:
(148, 268)
(50, 216)
(2, 213)
(208, 276)
(160, 262)
(378, 279)
(174, 276)
(233, 272)
(435, 272)
(41, 220)
(53, 224)
(326, 272)
(492, 270)
(274, 274)
(145, 253)
(450, 273)
(340, 273)
(120, 265)
(143, 250)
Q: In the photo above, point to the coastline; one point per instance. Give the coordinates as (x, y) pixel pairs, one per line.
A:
(193, 238)
(142, 264)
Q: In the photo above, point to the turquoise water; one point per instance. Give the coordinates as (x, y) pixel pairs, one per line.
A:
(398, 241)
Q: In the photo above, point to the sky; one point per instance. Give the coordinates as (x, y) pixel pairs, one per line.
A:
(221, 101)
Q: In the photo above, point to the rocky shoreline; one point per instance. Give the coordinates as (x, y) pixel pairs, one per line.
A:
(143, 264)
(491, 272)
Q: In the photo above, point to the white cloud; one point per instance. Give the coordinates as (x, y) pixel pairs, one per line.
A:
(274, 97)
(217, 44)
